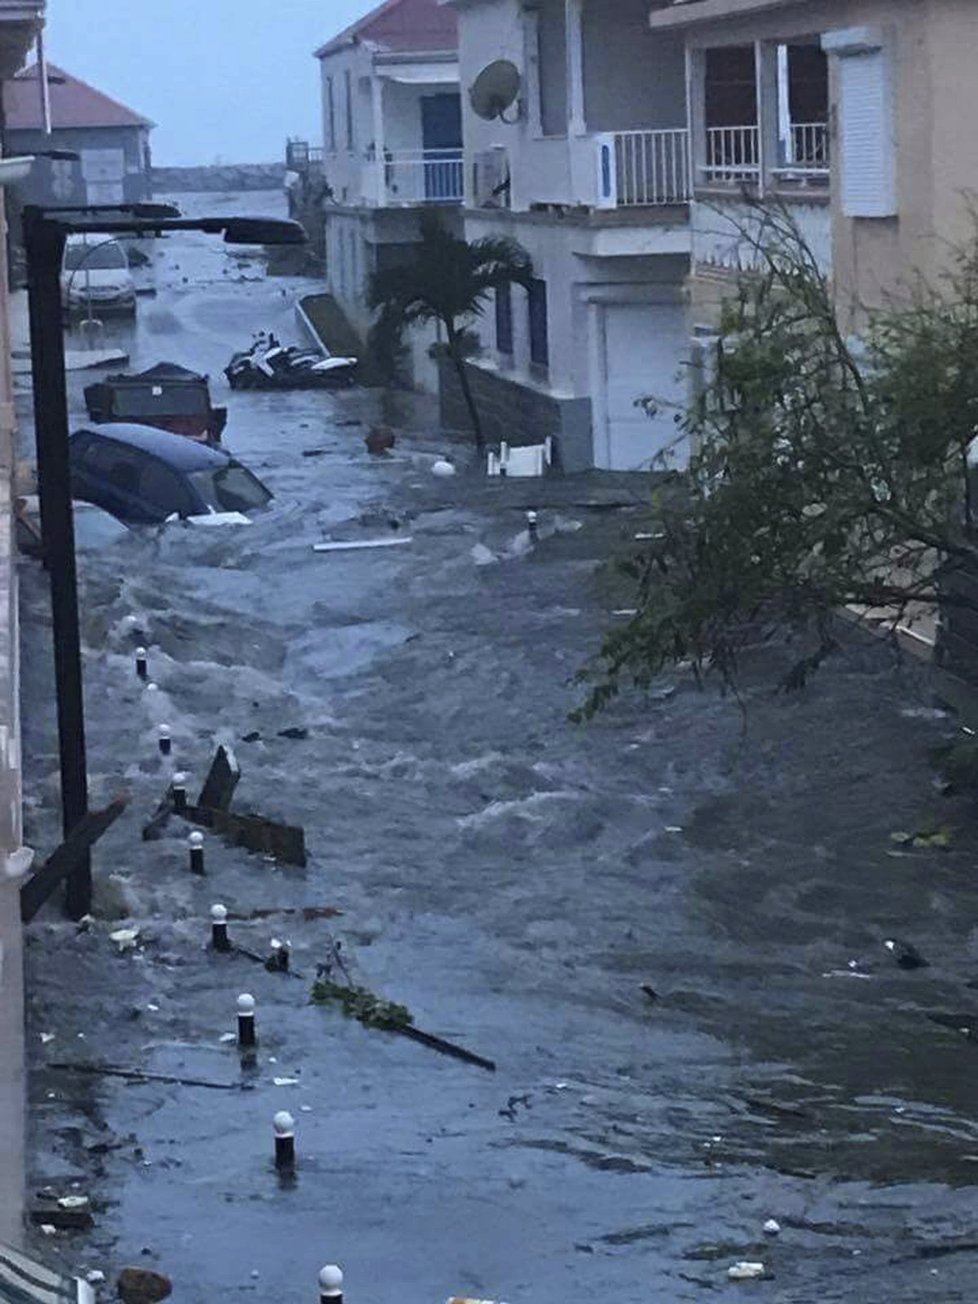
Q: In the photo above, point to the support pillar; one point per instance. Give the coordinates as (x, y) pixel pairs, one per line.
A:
(768, 134)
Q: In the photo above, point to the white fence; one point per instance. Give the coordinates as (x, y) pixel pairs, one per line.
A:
(430, 176)
(732, 154)
(652, 167)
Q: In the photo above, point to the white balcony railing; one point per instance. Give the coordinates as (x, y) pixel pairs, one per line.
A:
(732, 154)
(643, 168)
(808, 146)
(429, 176)
(652, 167)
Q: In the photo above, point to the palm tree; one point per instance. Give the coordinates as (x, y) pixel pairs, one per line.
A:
(450, 281)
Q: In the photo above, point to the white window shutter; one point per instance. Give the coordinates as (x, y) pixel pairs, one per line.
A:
(867, 149)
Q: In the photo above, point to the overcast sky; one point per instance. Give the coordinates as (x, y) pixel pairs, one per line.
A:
(227, 79)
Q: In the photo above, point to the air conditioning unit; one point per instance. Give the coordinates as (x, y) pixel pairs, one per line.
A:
(491, 183)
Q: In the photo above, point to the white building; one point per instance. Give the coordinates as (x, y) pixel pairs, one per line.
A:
(588, 169)
(392, 144)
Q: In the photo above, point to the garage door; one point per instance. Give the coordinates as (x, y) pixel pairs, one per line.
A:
(646, 346)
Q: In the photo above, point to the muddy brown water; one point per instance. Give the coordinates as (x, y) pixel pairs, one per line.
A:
(514, 879)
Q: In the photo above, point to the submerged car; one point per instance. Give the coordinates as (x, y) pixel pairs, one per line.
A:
(95, 277)
(145, 476)
(168, 396)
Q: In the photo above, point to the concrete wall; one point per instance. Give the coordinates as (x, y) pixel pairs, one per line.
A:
(12, 1080)
(518, 413)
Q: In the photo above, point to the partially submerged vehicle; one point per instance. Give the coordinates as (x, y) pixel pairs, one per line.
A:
(271, 365)
(167, 396)
(145, 476)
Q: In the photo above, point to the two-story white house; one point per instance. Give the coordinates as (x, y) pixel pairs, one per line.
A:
(392, 144)
(588, 169)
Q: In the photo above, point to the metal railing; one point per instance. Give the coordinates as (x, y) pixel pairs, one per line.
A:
(732, 154)
(808, 146)
(652, 167)
(300, 156)
(429, 176)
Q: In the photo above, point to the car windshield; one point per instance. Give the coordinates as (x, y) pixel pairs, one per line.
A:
(95, 257)
(230, 488)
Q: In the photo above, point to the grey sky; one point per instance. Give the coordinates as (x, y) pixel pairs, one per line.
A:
(228, 78)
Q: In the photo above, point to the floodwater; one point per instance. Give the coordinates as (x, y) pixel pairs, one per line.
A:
(514, 879)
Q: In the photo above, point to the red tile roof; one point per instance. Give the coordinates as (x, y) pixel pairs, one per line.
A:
(402, 27)
(73, 103)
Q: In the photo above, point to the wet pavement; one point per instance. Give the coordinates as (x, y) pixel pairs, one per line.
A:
(514, 879)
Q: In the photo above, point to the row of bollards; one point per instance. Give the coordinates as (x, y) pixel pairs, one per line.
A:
(283, 1124)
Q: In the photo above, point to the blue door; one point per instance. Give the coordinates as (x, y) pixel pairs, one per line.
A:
(441, 142)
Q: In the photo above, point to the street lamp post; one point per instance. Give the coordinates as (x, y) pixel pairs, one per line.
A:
(45, 233)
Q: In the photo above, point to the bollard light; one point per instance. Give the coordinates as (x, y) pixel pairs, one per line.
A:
(219, 928)
(284, 1126)
(142, 670)
(178, 790)
(196, 844)
(330, 1285)
(247, 1037)
(165, 739)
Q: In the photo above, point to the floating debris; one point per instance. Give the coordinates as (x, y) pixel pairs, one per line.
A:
(746, 1270)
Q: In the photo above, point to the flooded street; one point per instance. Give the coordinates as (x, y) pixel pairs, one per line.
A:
(510, 877)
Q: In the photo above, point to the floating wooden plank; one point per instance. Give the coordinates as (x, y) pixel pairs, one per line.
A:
(285, 842)
(65, 859)
(361, 545)
(221, 781)
(445, 1047)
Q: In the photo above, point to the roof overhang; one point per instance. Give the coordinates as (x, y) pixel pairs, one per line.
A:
(421, 75)
(690, 13)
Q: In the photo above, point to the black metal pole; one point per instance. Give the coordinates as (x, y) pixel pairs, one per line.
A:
(44, 243)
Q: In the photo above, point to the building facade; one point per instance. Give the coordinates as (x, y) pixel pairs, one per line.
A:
(111, 140)
(588, 171)
(20, 23)
(854, 114)
(392, 145)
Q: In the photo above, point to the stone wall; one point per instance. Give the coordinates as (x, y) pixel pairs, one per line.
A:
(219, 178)
(518, 413)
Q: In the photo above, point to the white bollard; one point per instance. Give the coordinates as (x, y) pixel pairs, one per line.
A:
(178, 790)
(284, 1125)
(196, 844)
(165, 738)
(247, 1037)
(142, 671)
(330, 1285)
(219, 928)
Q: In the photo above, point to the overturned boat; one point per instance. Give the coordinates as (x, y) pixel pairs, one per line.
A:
(167, 396)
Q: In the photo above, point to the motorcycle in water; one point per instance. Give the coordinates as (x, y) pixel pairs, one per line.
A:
(270, 365)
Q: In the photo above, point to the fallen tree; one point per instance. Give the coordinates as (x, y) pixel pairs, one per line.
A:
(826, 472)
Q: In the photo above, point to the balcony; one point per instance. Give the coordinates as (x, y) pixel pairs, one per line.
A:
(427, 176)
(732, 156)
(644, 168)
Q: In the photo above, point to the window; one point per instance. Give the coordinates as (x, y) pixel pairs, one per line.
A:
(230, 488)
(164, 489)
(348, 81)
(504, 319)
(330, 117)
(539, 342)
(867, 148)
(98, 256)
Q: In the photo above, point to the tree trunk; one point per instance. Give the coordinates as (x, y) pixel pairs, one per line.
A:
(463, 380)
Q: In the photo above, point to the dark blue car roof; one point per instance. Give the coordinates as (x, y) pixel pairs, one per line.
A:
(178, 451)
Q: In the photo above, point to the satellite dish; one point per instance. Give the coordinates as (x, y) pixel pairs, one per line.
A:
(495, 90)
